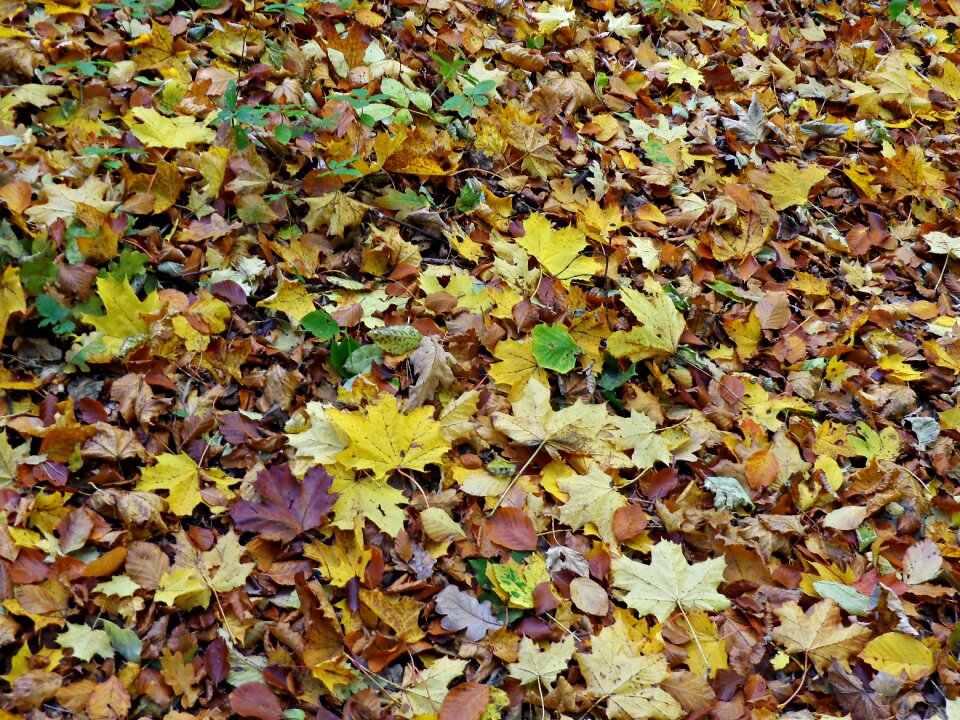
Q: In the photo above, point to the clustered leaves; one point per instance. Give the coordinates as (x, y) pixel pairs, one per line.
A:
(378, 360)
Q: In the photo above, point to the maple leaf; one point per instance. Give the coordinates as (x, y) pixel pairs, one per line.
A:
(125, 324)
(287, 507)
(660, 324)
(383, 439)
(669, 582)
(366, 498)
(787, 184)
(558, 251)
(542, 666)
(592, 499)
(627, 680)
(818, 633)
(638, 433)
(86, 642)
(751, 124)
(180, 476)
(423, 691)
(574, 429)
(154, 130)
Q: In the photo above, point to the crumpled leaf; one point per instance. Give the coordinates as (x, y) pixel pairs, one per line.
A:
(659, 328)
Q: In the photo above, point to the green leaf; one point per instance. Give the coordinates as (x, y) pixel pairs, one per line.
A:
(397, 339)
(283, 133)
(727, 492)
(471, 195)
(320, 324)
(340, 352)
(850, 599)
(554, 348)
(896, 8)
(362, 359)
(124, 641)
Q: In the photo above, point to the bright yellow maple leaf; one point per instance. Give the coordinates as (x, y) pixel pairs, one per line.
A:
(558, 251)
(383, 439)
(180, 476)
(155, 130)
(592, 499)
(786, 183)
(516, 366)
(660, 324)
(292, 299)
(125, 325)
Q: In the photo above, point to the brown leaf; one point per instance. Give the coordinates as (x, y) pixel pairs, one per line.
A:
(512, 528)
(256, 700)
(288, 507)
(431, 363)
(853, 697)
(467, 701)
(109, 701)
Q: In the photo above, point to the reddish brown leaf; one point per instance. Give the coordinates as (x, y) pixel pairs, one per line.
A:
(511, 528)
(288, 507)
(256, 700)
(466, 701)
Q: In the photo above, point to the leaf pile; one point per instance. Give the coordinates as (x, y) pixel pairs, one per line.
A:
(464, 360)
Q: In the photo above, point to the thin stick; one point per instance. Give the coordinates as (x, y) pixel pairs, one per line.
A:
(803, 679)
(516, 477)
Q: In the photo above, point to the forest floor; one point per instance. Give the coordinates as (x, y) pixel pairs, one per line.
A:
(479, 359)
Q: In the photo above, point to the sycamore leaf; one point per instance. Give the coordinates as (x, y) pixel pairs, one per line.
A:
(558, 251)
(383, 439)
(423, 691)
(179, 475)
(592, 499)
(125, 325)
(750, 125)
(86, 642)
(552, 17)
(542, 666)
(184, 588)
(155, 130)
(222, 569)
(366, 498)
(669, 582)
(638, 433)
(574, 429)
(287, 507)
(516, 366)
(10, 459)
(786, 183)
(660, 324)
(818, 633)
(626, 679)
(462, 611)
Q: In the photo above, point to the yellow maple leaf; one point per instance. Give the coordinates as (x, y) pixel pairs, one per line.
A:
(625, 678)
(786, 183)
(707, 650)
(383, 439)
(155, 130)
(669, 582)
(660, 324)
(292, 299)
(180, 476)
(515, 367)
(125, 325)
(12, 299)
(818, 633)
(558, 251)
(592, 499)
